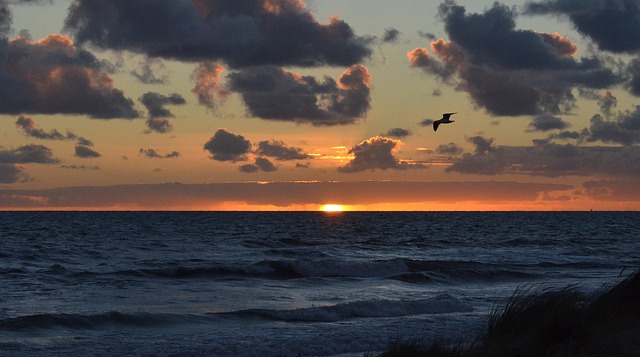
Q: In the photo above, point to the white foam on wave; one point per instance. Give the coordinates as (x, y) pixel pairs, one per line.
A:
(440, 304)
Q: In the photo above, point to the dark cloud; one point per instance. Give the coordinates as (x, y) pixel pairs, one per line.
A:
(427, 122)
(390, 35)
(546, 122)
(274, 94)
(158, 114)
(153, 154)
(398, 133)
(249, 168)
(623, 128)
(31, 153)
(240, 33)
(376, 153)
(158, 125)
(607, 103)
(280, 151)
(208, 88)
(53, 76)
(449, 149)
(84, 141)
(634, 81)
(507, 71)
(226, 146)
(80, 167)
(28, 126)
(6, 18)
(612, 190)
(156, 102)
(11, 170)
(12, 173)
(260, 164)
(86, 152)
(147, 75)
(546, 158)
(265, 165)
(613, 25)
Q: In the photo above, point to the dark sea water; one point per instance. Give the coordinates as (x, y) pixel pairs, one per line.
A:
(284, 284)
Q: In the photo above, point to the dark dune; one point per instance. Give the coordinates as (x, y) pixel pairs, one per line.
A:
(560, 322)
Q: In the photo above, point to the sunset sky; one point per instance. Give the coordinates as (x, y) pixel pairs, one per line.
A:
(292, 104)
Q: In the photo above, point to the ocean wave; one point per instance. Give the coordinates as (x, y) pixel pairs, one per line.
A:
(407, 270)
(440, 304)
(89, 322)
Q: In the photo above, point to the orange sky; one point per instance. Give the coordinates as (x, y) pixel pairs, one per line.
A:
(329, 102)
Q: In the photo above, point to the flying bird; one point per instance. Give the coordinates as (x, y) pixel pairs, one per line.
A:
(445, 120)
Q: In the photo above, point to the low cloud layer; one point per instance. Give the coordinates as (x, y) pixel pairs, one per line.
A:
(277, 194)
(549, 159)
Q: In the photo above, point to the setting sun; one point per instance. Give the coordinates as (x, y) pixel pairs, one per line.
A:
(332, 208)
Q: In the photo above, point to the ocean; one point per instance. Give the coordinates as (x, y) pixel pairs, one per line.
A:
(285, 283)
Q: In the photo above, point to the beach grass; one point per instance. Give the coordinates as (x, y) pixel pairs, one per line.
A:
(559, 322)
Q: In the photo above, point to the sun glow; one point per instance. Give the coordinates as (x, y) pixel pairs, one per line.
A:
(332, 208)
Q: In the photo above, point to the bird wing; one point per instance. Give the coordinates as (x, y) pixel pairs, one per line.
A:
(435, 125)
(447, 115)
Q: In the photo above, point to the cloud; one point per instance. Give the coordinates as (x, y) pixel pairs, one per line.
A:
(623, 128)
(153, 154)
(549, 159)
(391, 35)
(261, 163)
(155, 103)
(272, 93)
(280, 151)
(29, 128)
(613, 25)
(226, 146)
(278, 194)
(158, 114)
(147, 74)
(31, 153)
(241, 34)
(634, 81)
(398, 133)
(546, 122)
(86, 152)
(612, 190)
(208, 87)
(426, 122)
(158, 125)
(11, 170)
(449, 149)
(508, 71)
(249, 168)
(80, 167)
(12, 173)
(53, 76)
(265, 165)
(376, 154)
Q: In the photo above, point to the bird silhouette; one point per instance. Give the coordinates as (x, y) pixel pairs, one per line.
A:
(445, 120)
